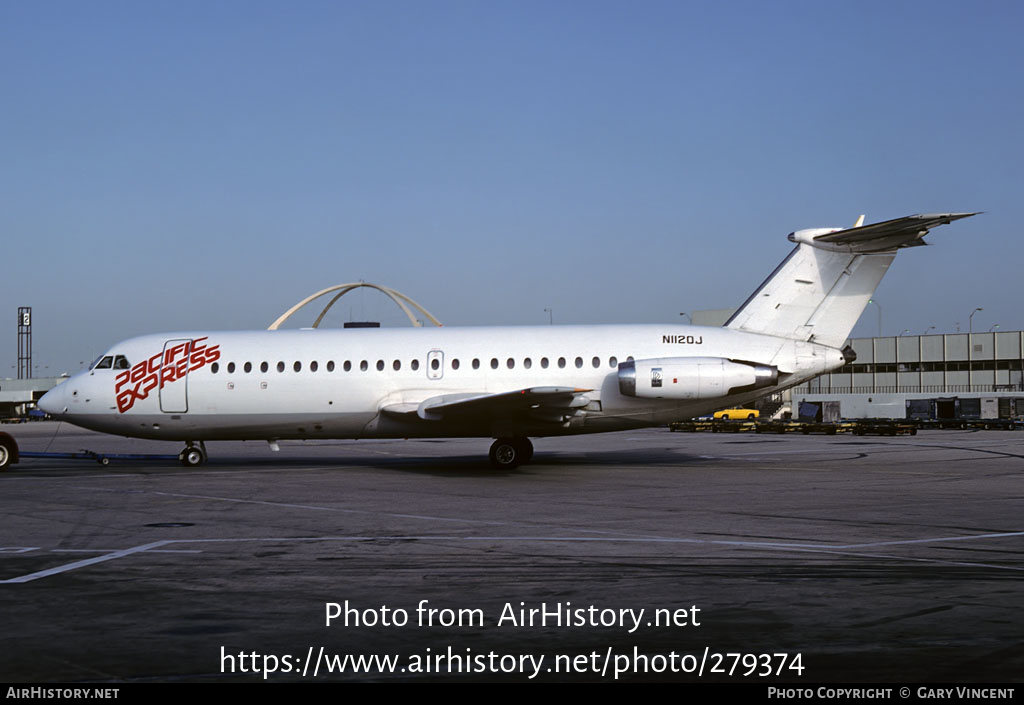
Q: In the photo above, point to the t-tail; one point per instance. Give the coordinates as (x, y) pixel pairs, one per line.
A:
(820, 290)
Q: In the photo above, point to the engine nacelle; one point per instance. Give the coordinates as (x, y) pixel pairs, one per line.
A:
(692, 377)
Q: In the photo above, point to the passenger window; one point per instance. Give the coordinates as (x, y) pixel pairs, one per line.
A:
(510, 363)
(280, 366)
(527, 363)
(455, 363)
(596, 362)
(613, 361)
(214, 368)
(579, 362)
(561, 362)
(380, 365)
(494, 363)
(248, 367)
(435, 363)
(106, 363)
(231, 368)
(415, 364)
(396, 365)
(347, 366)
(314, 366)
(297, 366)
(364, 365)
(476, 363)
(330, 365)
(264, 366)
(544, 362)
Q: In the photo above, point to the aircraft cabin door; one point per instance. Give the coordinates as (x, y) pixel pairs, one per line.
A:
(435, 364)
(174, 376)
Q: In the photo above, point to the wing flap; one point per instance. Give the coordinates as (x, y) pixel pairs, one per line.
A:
(548, 404)
(521, 400)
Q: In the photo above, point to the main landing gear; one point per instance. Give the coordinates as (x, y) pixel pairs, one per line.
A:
(193, 455)
(509, 453)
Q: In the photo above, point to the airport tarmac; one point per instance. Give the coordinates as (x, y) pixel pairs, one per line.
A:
(875, 559)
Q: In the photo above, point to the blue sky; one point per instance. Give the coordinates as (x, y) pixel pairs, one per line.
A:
(206, 165)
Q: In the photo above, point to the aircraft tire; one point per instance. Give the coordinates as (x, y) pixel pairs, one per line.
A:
(506, 454)
(192, 457)
(6, 454)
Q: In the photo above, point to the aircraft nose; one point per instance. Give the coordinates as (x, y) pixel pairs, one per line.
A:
(53, 402)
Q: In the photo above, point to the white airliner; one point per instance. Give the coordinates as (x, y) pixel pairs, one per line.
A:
(507, 383)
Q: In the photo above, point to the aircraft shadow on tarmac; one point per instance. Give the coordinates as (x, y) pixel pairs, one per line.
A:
(465, 465)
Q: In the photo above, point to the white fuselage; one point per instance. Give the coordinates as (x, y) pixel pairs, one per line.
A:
(341, 383)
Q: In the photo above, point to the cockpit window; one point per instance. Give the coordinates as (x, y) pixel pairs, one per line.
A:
(121, 362)
(106, 363)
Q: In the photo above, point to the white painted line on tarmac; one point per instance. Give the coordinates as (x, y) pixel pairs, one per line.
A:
(843, 550)
(938, 539)
(320, 508)
(88, 561)
(29, 478)
(937, 561)
(112, 550)
(821, 451)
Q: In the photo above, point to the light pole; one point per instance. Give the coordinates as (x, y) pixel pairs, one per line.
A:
(872, 301)
(688, 318)
(970, 323)
(993, 328)
(905, 331)
(928, 329)
(551, 316)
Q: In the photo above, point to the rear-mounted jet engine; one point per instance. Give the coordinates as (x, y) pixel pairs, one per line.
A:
(692, 377)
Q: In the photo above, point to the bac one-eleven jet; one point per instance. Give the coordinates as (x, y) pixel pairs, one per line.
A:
(507, 383)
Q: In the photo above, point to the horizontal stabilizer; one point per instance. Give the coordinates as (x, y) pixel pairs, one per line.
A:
(889, 234)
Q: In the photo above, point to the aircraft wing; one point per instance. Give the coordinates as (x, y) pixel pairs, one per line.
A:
(891, 234)
(553, 404)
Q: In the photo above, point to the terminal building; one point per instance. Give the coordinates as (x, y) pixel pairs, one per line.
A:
(952, 375)
(971, 375)
(18, 397)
